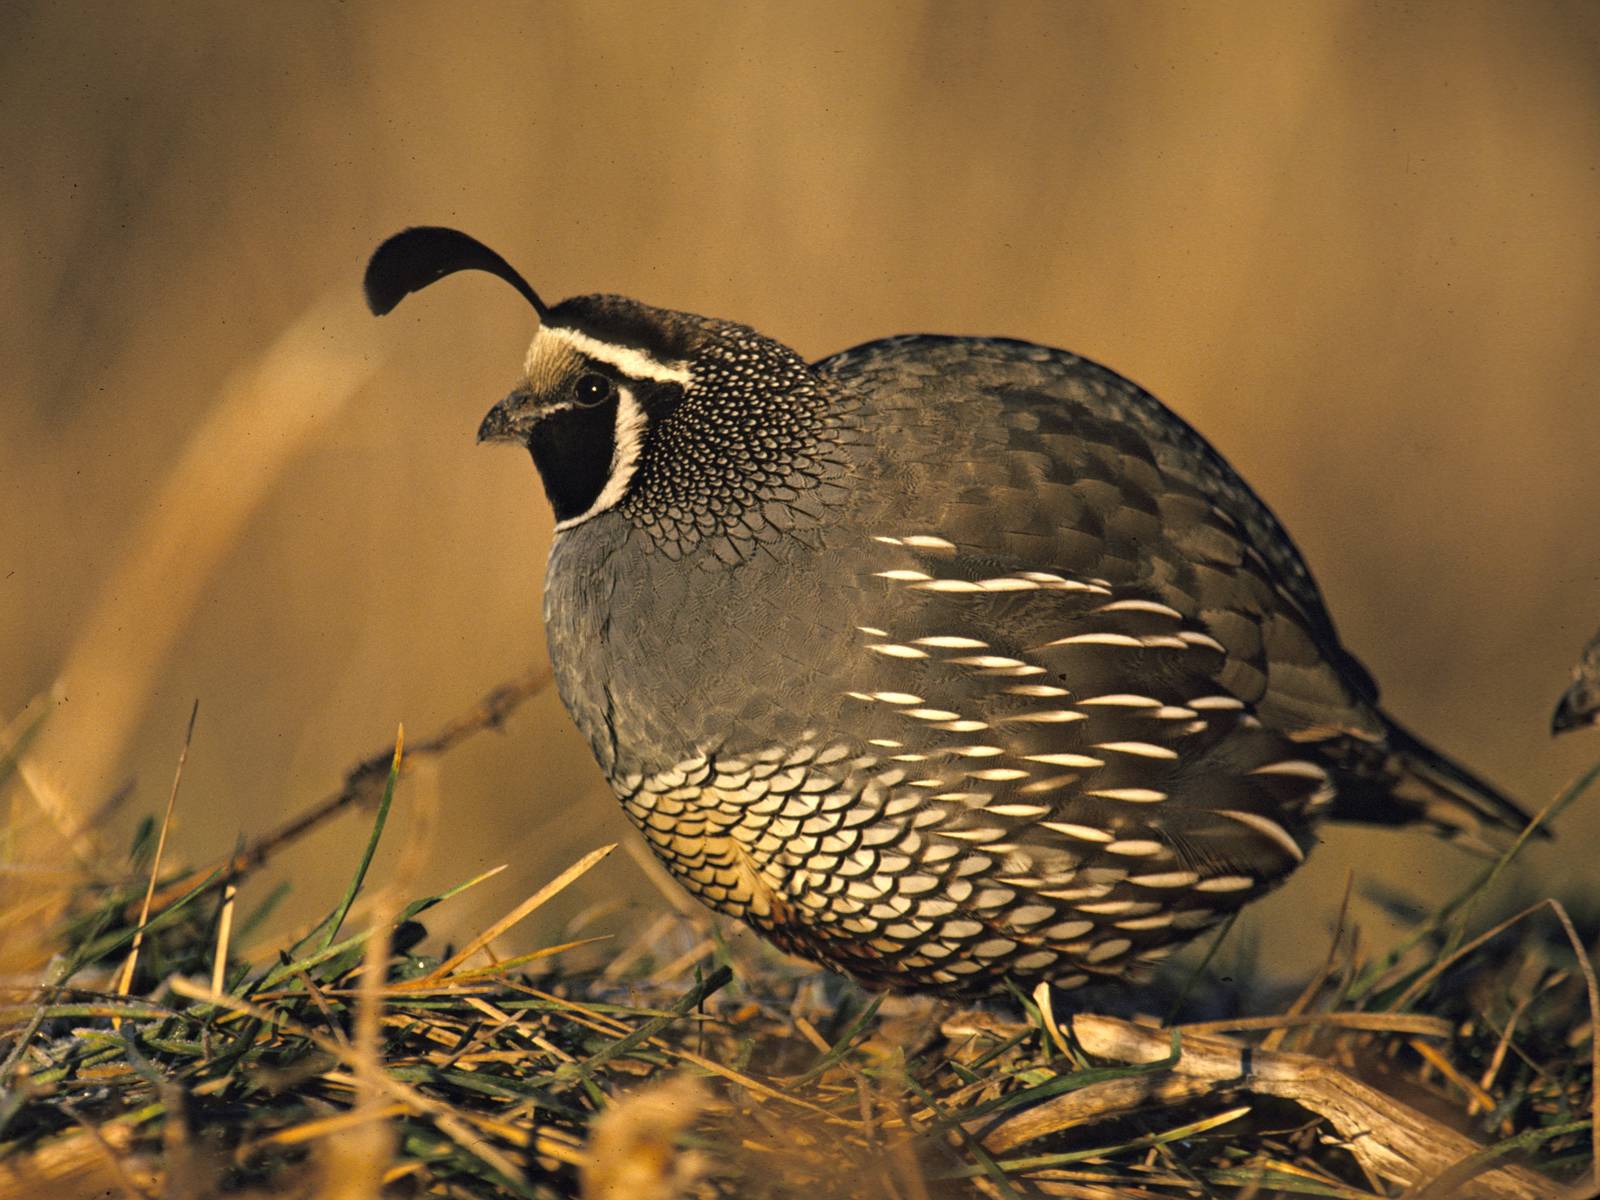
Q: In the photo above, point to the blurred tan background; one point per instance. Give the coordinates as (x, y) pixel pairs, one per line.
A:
(1358, 245)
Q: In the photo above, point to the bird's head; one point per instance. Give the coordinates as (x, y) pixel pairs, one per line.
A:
(627, 406)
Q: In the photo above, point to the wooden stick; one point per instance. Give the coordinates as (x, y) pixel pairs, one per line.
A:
(363, 783)
(1388, 1138)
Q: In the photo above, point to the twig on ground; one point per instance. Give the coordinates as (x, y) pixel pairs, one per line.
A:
(1392, 1140)
(363, 783)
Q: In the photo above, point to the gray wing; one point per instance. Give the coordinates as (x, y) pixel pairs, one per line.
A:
(1085, 473)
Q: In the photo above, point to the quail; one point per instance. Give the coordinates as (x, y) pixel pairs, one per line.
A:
(944, 661)
(1580, 703)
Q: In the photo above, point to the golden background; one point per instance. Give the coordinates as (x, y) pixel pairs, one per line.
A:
(1358, 245)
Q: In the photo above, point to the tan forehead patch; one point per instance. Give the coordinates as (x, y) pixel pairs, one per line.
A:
(550, 361)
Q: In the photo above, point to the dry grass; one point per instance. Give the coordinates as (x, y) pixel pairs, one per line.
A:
(358, 1061)
(1337, 236)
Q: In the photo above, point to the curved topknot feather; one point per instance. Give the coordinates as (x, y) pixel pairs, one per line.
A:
(413, 258)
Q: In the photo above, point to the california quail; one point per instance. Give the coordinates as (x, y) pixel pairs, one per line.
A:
(1580, 703)
(942, 660)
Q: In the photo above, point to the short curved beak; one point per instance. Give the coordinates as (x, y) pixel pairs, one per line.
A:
(507, 421)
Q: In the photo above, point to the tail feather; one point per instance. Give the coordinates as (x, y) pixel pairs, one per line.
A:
(1404, 781)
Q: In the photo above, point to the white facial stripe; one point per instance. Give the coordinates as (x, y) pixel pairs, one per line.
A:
(627, 440)
(635, 364)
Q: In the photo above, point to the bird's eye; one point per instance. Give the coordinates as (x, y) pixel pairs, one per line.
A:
(591, 389)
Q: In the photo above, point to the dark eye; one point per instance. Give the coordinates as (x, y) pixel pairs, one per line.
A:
(591, 389)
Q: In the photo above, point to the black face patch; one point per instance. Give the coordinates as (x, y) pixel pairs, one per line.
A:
(573, 449)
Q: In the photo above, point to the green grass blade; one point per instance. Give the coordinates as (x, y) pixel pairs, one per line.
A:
(339, 914)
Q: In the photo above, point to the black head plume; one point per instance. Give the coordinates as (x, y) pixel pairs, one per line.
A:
(413, 258)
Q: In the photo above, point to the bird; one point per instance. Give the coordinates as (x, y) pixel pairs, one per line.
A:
(1579, 705)
(953, 664)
